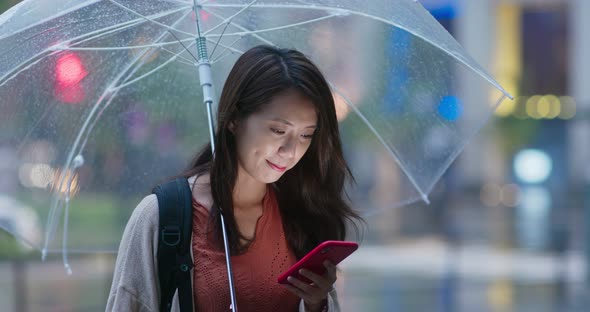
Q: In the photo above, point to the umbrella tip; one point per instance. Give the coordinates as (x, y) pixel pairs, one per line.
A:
(78, 161)
(425, 199)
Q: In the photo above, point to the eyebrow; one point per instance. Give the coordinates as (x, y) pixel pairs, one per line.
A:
(290, 124)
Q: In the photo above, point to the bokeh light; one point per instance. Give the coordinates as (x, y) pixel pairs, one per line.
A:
(450, 108)
(532, 166)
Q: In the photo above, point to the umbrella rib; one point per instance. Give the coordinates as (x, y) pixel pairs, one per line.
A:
(55, 28)
(185, 47)
(391, 151)
(103, 32)
(227, 47)
(229, 50)
(279, 27)
(151, 20)
(377, 18)
(128, 24)
(187, 61)
(255, 33)
(286, 6)
(26, 65)
(244, 29)
(423, 195)
(229, 19)
(186, 2)
(82, 137)
(112, 91)
(121, 26)
(54, 49)
(110, 29)
(218, 40)
(160, 46)
(137, 21)
(127, 83)
(132, 47)
(227, 22)
(79, 6)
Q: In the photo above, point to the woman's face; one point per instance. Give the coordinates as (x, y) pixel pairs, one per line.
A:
(273, 140)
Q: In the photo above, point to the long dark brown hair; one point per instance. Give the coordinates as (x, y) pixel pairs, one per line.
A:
(311, 196)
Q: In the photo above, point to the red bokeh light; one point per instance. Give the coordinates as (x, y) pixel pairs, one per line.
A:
(69, 69)
(69, 72)
(73, 94)
(204, 16)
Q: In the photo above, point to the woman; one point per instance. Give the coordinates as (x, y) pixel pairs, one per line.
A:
(278, 174)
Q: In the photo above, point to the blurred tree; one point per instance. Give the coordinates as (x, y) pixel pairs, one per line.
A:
(6, 4)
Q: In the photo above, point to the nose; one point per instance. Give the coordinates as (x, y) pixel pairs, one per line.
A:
(288, 148)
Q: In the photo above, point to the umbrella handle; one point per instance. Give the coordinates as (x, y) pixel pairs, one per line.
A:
(206, 80)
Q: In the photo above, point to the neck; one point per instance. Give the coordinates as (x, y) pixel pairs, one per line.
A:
(248, 193)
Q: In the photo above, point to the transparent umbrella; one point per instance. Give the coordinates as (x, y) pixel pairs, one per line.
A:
(101, 100)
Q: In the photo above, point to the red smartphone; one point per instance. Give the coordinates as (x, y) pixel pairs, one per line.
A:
(335, 251)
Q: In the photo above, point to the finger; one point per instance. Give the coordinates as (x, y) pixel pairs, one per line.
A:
(321, 281)
(330, 267)
(308, 298)
(330, 271)
(298, 292)
(303, 286)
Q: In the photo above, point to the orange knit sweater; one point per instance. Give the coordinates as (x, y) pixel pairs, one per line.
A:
(255, 271)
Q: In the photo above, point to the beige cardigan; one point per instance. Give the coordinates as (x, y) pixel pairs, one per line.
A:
(135, 284)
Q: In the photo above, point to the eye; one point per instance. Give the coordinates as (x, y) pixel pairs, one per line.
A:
(307, 136)
(277, 131)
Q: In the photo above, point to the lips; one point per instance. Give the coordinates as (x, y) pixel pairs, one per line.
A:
(276, 167)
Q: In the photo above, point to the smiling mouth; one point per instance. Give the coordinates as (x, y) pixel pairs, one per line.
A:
(275, 167)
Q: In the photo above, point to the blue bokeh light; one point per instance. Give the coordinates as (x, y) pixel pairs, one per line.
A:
(450, 108)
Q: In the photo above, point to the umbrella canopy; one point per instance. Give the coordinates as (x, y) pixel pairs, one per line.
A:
(100, 100)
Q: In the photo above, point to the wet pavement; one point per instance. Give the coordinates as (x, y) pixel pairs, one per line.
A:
(414, 277)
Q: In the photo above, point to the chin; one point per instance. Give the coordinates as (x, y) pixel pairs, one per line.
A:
(271, 178)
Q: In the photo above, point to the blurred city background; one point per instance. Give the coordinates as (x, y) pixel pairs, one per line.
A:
(508, 227)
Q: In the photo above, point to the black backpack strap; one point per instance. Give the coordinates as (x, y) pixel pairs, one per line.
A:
(175, 230)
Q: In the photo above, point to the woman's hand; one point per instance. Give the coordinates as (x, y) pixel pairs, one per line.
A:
(314, 295)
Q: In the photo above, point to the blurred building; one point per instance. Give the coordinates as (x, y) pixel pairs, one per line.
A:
(538, 50)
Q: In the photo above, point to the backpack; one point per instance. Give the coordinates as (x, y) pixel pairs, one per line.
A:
(174, 255)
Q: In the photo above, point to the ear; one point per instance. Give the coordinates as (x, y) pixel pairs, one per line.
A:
(232, 127)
